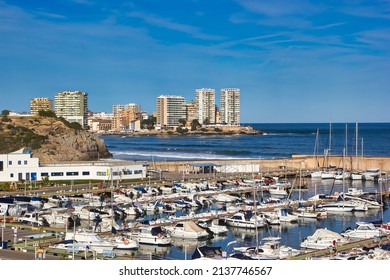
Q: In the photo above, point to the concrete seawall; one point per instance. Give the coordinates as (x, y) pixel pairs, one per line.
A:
(295, 163)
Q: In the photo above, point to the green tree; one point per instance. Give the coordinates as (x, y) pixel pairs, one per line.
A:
(182, 122)
(47, 114)
(149, 123)
(195, 125)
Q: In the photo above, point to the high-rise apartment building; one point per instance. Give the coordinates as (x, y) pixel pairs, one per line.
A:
(72, 106)
(124, 115)
(170, 109)
(230, 106)
(135, 108)
(40, 104)
(205, 105)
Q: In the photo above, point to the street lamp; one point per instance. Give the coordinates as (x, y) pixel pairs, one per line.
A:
(74, 218)
(2, 232)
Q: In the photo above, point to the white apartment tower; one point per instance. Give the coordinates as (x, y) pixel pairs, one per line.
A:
(170, 109)
(230, 106)
(72, 106)
(205, 105)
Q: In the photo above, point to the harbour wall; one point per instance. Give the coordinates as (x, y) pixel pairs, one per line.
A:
(295, 163)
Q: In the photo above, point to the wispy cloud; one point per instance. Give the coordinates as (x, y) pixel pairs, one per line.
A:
(368, 9)
(277, 8)
(329, 25)
(379, 38)
(50, 15)
(171, 25)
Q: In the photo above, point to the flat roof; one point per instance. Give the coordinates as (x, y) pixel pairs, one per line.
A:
(203, 164)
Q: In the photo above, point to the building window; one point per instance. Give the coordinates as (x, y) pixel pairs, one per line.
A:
(19, 162)
(72, 173)
(10, 162)
(11, 175)
(1, 166)
(25, 162)
(99, 173)
(85, 173)
(137, 171)
(57, 174)
(127, 172)
(44, 174)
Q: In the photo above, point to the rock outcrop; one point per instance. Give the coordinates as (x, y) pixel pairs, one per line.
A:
(54, 140)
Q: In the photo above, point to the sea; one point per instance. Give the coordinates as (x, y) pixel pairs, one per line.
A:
(279, 140)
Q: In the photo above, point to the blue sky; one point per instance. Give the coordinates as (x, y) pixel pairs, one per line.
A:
(294, 60)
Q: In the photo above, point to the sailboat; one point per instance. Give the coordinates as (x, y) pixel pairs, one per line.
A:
(356, 175)
(317, 173)
(328, 174)
(340, 205)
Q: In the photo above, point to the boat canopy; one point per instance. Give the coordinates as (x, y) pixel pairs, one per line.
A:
(207, 251)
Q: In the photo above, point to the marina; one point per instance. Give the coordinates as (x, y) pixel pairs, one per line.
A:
(182, 246)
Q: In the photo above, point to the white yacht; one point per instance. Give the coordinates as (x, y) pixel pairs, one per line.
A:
(240, 220)
(271, 248)
(187, 229)
(151, 235)
(371, 174)
(92, 240)
(323, 239)
(364, 231)
(338, 206)
(214, 228)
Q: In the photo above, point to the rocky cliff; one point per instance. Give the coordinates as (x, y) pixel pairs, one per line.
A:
(50, 139)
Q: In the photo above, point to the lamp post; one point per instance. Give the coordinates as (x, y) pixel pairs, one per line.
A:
(2, 232)
(74, 218)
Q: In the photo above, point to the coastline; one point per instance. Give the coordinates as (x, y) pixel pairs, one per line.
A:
(211, 130)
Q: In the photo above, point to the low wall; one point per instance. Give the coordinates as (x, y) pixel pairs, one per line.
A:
(295, 163)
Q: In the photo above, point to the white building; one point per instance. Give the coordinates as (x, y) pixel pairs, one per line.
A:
(170, 109)
(230, 106)
(72, 106)
(19, 165)
(205, 105)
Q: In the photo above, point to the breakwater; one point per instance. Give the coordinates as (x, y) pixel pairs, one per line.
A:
(295, 163)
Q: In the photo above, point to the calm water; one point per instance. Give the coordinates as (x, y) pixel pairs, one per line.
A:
(279, 141)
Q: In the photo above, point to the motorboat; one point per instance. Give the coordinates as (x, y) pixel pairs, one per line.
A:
(69, 245)
(123, 242)
(371, 174)
(271, 248)
(355, 192)
(340, 205)
(211, 226)
(241, 220)
(187, 230)
(33, 219)
(323, 239)
(92, 240)
(151, 235)
(364, 231)
(278, 190)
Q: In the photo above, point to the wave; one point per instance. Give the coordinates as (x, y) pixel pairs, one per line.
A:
(170, 155)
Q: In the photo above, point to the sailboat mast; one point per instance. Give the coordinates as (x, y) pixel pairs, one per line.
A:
(330, 138)
(346, 139)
